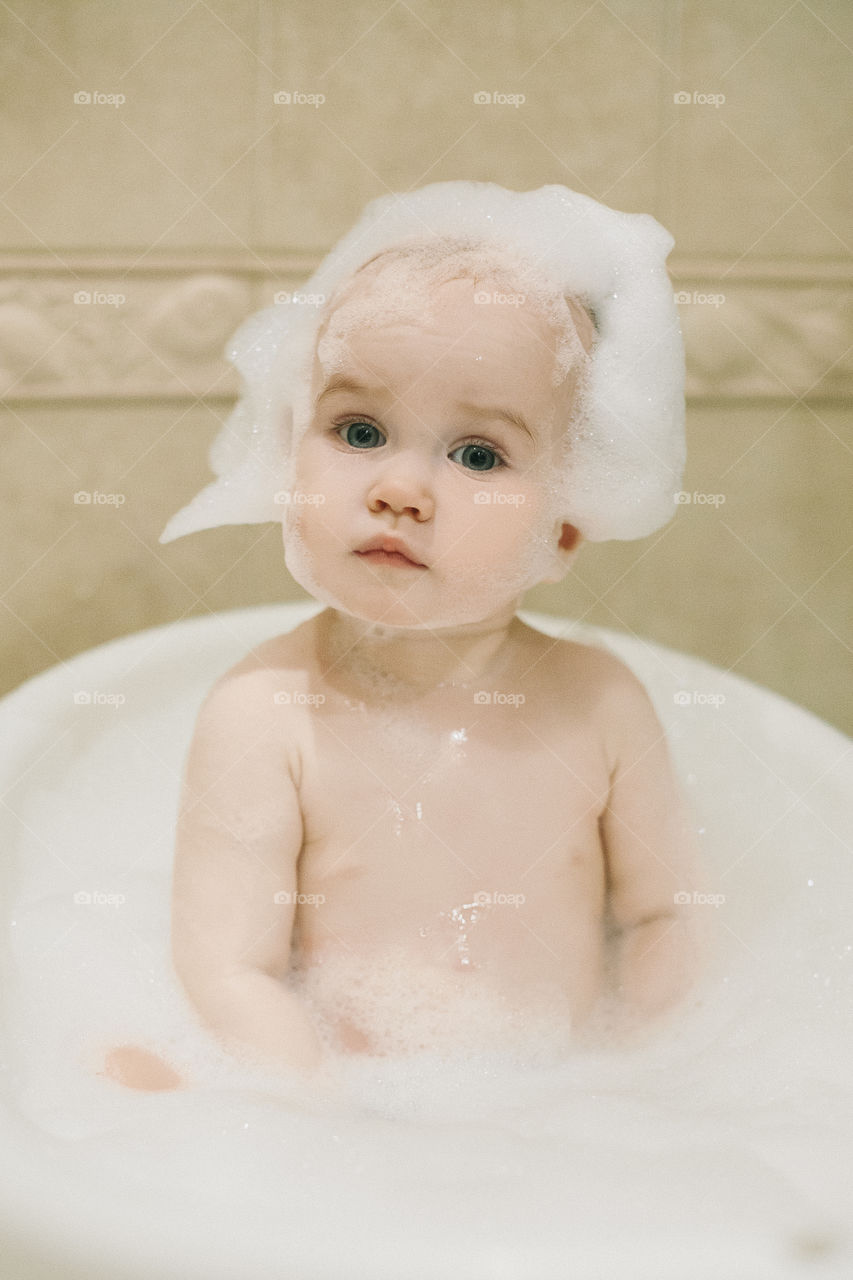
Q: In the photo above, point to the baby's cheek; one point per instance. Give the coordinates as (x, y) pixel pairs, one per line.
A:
(506, 539)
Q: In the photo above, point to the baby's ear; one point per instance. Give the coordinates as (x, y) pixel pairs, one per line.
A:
(570, 537)
(568, 543)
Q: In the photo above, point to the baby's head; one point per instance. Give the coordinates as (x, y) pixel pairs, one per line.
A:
(446, 376)
(586, 369)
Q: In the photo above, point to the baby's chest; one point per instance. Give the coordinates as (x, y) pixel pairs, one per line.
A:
(395, 803)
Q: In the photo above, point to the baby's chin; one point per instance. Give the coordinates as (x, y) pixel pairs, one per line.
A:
(458, 606)
(383, 609)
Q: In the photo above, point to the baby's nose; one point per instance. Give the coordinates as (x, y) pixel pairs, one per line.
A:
(403, 487)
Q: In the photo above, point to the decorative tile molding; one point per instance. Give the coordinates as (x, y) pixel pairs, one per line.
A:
(84, 326)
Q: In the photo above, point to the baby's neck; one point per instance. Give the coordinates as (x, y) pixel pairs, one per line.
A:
(417, 660)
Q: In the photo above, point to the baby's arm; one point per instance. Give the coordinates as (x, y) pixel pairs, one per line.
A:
(238, 840)
(651, 855)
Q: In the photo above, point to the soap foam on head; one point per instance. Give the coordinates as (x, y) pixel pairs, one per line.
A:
(627, 452)
(401, 286)
(408, 274)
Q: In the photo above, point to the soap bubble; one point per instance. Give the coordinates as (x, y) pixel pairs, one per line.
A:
(627, 447)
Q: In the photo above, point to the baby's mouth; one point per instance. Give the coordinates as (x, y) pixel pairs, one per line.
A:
(389, 557)
(390, 551)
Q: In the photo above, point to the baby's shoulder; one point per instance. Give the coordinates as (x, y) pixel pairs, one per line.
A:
(588, 670)
(269, 677)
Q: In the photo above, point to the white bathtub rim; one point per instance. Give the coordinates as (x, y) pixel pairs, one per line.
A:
(38, 694)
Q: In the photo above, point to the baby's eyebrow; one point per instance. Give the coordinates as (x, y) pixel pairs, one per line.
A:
(343, 382)
(506, 415)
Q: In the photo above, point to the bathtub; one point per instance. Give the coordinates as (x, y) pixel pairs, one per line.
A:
(724, 1151)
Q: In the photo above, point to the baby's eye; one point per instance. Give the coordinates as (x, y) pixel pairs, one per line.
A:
(478, 457)
(361, 435)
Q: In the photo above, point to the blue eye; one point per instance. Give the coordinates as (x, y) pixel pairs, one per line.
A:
(361, 435)
(477, 457)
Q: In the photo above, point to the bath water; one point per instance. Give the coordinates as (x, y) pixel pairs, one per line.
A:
(721, 1147)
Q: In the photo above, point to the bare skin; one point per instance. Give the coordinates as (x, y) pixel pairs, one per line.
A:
(352, 807)
(138, 1068)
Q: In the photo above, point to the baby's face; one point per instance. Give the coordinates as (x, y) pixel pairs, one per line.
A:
(440, 434)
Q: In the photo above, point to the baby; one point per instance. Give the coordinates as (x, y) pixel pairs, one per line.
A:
(415, 822)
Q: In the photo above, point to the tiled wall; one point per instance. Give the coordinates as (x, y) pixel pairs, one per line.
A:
(181, 195)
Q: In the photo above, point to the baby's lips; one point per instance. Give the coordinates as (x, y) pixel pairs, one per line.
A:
(393, 546)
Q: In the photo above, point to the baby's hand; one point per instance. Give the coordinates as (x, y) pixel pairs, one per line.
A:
(137, 1068)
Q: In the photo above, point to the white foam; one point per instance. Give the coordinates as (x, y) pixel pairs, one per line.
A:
(720, 1148)
(628, 449)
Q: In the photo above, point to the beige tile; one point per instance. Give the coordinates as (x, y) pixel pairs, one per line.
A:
(95, 174)
(399, 85)
(76, 575)
(765, 172)
(758, 583)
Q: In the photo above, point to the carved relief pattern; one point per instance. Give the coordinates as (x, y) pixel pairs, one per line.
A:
(138, 335)
(119, 335)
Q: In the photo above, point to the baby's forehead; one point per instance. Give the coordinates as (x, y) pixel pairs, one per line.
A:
(434, 332)
(401, 285)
